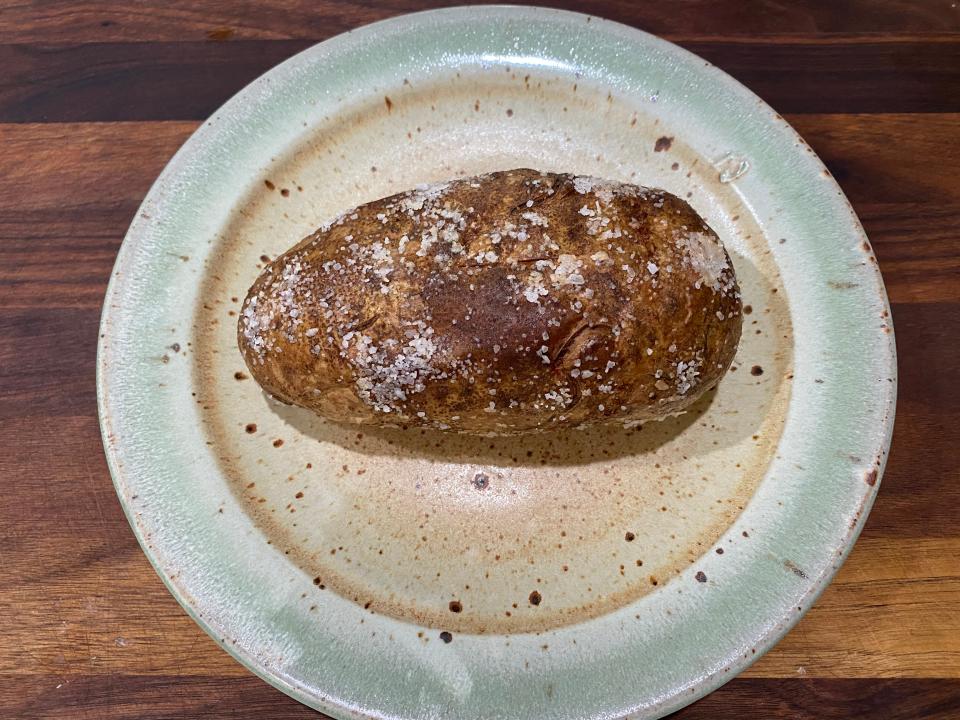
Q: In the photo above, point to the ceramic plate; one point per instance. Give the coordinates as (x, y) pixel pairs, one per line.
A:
(602, 573)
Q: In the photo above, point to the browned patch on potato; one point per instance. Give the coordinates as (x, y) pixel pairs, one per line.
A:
(503, 303)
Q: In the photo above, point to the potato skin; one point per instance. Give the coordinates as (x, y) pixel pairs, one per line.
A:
(511, 302)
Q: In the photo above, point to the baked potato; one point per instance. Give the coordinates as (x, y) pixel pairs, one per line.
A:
(510, 302)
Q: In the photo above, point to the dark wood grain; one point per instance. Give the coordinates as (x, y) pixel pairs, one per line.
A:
(160, 697)
(183, 20)
(830, 699)
(96, 96)
(189, 80)
(56, 382)
(67, 195)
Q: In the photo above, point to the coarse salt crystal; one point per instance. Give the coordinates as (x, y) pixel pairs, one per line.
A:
(535, 219)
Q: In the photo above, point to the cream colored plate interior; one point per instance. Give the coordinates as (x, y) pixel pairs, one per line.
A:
(488, 534)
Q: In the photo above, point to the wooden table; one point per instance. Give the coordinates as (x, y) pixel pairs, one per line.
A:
(96, 96)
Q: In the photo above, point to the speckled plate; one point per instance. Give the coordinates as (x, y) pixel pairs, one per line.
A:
(601, 573)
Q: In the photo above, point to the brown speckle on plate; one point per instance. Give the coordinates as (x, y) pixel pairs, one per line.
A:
(663, 143)
(794, 568)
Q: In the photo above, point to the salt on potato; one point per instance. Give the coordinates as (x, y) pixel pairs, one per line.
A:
(498, 304)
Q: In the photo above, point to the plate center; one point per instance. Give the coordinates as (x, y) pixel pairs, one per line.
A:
(489, 534)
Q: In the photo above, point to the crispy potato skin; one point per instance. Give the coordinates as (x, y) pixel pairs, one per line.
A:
(505, 303)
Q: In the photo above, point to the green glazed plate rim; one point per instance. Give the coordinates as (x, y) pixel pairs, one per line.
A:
(826, 472)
